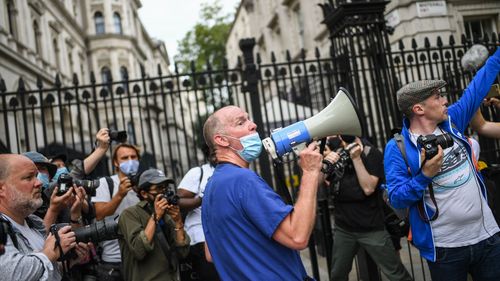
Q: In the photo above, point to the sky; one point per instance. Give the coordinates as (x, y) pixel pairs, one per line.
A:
(170, 20)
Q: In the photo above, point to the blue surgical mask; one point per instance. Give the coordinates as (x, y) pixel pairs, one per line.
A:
(130, 167)
(59, 172)
(44, 178)
(252, 146)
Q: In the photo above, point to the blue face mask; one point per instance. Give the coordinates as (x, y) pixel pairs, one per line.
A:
(59, 172)
(252, 146)
(44, 178)
(130, 167)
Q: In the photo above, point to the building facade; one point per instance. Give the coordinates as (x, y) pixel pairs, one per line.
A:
(280, 25)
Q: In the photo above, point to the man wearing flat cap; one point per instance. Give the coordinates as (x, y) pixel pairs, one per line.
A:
(153, 233)
(451, 223)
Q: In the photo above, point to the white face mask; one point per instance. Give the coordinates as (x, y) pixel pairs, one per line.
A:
(130, 167)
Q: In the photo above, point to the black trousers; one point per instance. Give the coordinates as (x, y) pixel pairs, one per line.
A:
(204, 269)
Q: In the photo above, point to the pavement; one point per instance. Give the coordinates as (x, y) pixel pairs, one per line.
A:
(416, 266)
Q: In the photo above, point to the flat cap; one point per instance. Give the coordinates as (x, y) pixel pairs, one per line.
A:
(153, 176)
(416, 92)
(39, 159)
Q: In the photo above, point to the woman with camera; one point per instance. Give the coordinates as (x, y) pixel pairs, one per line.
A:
(358, 212)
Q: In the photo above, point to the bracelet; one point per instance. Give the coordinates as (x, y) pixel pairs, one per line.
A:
(179, 228)
(78, 221)
(154, 218)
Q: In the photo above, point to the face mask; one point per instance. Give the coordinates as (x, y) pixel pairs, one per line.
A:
(252, 146)
(44, 178)
(59, 172)
(130, 167)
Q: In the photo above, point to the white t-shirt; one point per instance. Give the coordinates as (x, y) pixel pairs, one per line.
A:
(111, 248)
(35, 239)
(191, 182)
(464, 215)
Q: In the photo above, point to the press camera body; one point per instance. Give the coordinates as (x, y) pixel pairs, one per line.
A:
(171, 197)
(65, 182)
(430, 143)
(118, 136)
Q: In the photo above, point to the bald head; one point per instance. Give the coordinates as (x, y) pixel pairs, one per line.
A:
(216, 123)
(7, 161)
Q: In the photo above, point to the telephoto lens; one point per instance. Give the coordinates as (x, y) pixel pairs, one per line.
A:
(99, 231)
(430, 143)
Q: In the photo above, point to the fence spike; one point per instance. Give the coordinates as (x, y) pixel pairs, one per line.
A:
(75, 79)
(463, 39)
(288, 57)
(3, 88)
(209, 66)
(143, 71)
(452, 40)
(92, 77)
(57, 83)
(439, 42)
(303, 53)
(316, 52)
(258, 59)
(486, 39)
(158, 67)
(273, 57)
(401, 45)
(494, 37)
(427, 43)
(224, 64)
(414, 43)
(21, 88)
(39, 82)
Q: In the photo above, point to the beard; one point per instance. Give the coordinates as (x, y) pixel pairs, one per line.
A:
(25, 203)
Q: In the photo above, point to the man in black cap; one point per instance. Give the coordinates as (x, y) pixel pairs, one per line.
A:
(438, 182)
(153, 232)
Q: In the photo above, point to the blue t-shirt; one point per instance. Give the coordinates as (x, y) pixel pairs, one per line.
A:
(240, 213)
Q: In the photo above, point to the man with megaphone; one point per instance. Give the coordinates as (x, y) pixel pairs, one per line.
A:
(250, 233)
(430, 170)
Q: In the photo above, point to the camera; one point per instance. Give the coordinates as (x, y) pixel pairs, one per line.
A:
(430, 143)
(335, 171)
(134, 178)
(65, 182)
(118, 136)
(99, 231)
(171, 197)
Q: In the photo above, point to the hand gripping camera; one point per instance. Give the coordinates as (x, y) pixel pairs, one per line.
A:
(171, 197)
(65, 182)
(430, 143)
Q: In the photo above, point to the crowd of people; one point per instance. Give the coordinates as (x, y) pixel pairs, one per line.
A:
(230, 224)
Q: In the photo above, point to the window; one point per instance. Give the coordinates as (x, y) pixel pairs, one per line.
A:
(105, 74)
(99, 23)
(124, 77)
(476, 28)
(118, 23)
(56, 53)
(38, 38)
(11, 17)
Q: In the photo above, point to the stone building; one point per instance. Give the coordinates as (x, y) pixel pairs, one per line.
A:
(280, 25)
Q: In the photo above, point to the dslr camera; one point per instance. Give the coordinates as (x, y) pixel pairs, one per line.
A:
(335, 170)
(65, 182)
(99, 231)
(118, 136)
(171, 197)
(430, 143)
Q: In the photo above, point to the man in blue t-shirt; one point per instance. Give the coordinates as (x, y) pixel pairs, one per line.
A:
(251, 234)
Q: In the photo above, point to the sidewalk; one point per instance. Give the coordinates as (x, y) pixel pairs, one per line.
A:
(409, 256)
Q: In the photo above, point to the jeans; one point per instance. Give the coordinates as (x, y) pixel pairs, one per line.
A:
(481, 260)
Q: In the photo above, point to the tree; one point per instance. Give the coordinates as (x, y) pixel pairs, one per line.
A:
(206, 41)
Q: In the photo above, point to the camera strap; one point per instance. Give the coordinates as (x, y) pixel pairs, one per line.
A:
(8, 228)
(420, 205)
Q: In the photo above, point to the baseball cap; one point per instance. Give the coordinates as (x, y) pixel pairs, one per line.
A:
(39, 159)
(153, 176)
(416, 92)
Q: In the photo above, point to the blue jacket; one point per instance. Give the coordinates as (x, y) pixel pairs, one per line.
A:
(406, 190)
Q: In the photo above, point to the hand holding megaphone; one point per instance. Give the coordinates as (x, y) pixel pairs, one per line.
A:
(339, 117)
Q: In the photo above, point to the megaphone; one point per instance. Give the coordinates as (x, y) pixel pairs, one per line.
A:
(475, 58)
(340, 117)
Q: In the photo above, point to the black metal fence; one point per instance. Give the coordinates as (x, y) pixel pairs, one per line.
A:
(163, 112)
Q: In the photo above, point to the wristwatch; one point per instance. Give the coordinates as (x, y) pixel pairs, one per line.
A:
(78, 221)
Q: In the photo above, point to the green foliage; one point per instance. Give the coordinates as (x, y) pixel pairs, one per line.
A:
(206, 41)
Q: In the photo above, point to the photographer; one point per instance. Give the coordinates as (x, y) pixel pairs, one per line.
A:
(153, 233)
(359, 218)
(451, 223)
(114, 195)
(29, 254)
